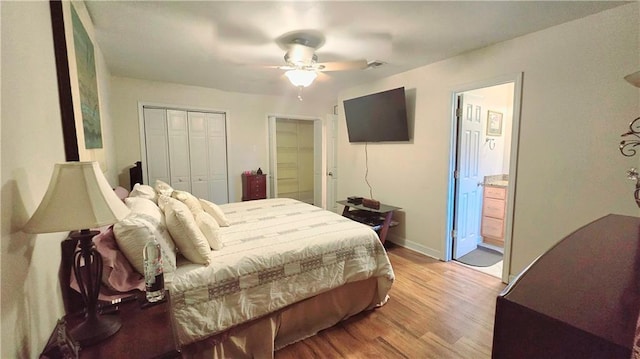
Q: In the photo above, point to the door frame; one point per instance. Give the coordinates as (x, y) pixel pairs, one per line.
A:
(516, 79)
(319, 157)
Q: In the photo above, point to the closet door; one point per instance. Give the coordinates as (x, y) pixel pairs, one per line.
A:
(156, 145)
(208, 151)
(179, 150)
(217, 142)
(199, 153)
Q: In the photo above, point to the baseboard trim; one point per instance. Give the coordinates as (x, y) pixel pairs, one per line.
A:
(417, 247)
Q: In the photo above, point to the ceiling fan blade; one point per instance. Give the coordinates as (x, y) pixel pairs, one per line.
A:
(341, 65)
(279, 67)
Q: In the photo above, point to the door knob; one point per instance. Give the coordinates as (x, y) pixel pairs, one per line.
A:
(330, 174)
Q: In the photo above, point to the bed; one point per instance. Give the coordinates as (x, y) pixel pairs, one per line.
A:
(284, 271)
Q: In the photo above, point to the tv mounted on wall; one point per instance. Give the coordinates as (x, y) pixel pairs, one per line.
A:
(379, 117)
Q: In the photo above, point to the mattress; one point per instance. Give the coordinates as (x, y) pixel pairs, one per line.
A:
(276, 252)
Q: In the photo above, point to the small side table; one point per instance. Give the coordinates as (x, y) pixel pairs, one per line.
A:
(147, 332)
(380, 220)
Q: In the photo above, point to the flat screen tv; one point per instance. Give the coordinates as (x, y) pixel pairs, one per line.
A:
(379, 117)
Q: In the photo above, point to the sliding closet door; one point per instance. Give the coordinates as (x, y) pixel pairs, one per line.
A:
(199, 154)
(217, 144)
(208, 151)
(188, 150)
(156, 145)
(179, 160)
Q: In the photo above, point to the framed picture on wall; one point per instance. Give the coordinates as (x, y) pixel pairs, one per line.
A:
(494, 123)
(77, 84)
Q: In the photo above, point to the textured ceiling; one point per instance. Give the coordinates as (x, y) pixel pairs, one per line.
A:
(228, 44)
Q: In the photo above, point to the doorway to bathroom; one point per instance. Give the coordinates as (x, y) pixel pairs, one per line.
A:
(483, 160)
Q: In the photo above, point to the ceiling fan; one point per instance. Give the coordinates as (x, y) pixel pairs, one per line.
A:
(302, 64)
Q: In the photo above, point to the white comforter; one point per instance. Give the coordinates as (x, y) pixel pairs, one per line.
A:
(276, 252)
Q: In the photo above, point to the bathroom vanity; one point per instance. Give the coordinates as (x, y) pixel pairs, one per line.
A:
(494, 209)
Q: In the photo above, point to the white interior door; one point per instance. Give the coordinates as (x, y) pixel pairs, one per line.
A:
(199, 154)
(217, 142)
(468, 194)
(156, 146)
(179, 150)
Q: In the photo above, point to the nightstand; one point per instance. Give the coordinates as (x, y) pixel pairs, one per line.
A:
(254, 187)
(145, 333)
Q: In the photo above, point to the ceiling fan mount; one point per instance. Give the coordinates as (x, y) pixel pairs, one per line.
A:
(300, 53)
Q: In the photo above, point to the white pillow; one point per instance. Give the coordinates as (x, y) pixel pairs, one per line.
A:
(210, 228)
(145, 221)
(207, 224)
(189, 239)
(144, 191)
(215, 211)
(187, 198)
(163, 188)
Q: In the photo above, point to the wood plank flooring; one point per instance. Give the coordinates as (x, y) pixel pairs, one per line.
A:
(437, 310)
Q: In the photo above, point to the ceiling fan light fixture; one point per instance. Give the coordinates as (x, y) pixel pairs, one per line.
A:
(301, 78)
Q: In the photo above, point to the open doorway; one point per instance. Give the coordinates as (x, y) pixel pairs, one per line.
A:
(484, 161)
(296, 158)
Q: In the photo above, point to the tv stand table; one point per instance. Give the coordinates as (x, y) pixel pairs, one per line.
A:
(380, 220)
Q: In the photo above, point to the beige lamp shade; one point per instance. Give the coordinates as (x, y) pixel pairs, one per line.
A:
(78, 197)
(633, 78)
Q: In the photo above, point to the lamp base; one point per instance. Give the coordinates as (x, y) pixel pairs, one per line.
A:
(95, 329)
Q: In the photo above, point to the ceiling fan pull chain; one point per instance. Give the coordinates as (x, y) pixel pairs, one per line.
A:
(300, 88)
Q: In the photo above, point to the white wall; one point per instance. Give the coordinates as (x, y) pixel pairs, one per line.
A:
(247, 133)
(31, 143)
(575, 105)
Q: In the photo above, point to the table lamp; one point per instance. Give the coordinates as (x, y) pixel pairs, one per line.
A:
(628, 146)
(79, 198)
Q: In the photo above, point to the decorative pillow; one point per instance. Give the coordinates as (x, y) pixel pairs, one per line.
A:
(117, 273)
(145, 221)
(121, 192)
(163, 188)
(207, 224)
(144, 191)
(187, 198)
(189, 239)
(210, 228)
(118, 277)
(215, 212)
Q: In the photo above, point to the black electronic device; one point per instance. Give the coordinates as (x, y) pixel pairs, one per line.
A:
(354, 200)
(379, 117)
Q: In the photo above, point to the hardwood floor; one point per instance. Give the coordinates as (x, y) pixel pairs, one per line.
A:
(437, 310)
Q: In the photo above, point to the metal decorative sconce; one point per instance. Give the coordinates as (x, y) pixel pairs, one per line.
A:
(628, 146)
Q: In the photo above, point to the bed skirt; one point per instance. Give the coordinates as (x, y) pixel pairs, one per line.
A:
(262, 337)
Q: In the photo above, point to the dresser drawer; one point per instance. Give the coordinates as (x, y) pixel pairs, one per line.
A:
(492, 227)
(259, 180)
(495, 192)
(493, 208)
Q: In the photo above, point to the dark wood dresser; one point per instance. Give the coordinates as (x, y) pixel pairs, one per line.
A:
(254, 186)
(580, 299)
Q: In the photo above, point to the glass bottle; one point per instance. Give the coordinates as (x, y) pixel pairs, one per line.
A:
(153, 271)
